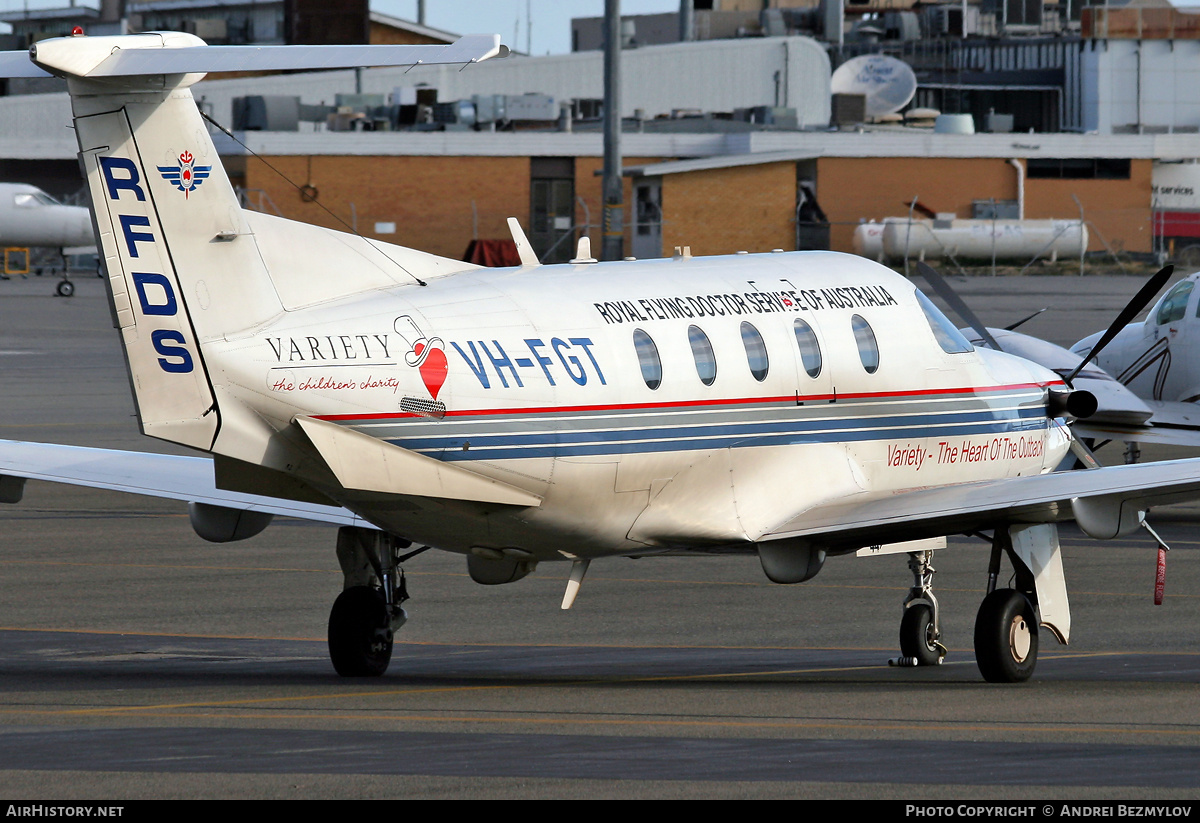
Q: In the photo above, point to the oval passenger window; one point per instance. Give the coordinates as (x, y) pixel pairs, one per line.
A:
(702, 351)
(756, 352)
(868, 348)
(810, 349)
(648, 359)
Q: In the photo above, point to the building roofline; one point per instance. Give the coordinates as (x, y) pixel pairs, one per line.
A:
(719, 149)
(414, 27)
(85, 13)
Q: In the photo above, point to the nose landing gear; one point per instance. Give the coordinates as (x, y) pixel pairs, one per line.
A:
(920, 630)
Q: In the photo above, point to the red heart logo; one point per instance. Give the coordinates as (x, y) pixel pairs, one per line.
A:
(434, 371)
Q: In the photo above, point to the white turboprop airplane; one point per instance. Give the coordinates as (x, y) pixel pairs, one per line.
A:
(30, 217)
(785, 406)
(1157, 360)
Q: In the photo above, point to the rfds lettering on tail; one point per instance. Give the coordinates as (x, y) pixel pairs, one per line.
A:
(791, 408)
(155, 291)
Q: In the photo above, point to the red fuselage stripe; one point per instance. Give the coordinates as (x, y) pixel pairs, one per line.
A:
(540, 410)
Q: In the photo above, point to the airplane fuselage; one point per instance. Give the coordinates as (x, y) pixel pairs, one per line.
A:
(30, 217)
(618, 392)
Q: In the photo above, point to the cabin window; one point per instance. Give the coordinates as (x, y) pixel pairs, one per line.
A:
(648, 359)
(868, 348)
(702, 351)
(29, 200)
(948, 337)
(810, 349)
(1175, 303)
(756, 352)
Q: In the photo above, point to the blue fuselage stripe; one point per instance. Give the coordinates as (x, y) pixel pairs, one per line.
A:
(452, 453)
(703, 431)
(680, 434)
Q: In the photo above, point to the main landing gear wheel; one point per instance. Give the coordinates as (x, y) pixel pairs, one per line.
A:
(360, 637)
(1006, 637)
(918, 636)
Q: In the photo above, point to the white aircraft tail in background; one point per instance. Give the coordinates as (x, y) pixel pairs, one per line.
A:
(789, 407)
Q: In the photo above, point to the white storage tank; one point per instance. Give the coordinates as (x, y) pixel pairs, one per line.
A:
(982, 239)
(868, 237)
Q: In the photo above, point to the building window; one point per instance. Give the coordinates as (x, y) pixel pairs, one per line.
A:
(648, 359)
(756, 352)
(868, 348)
(702, 351)
(810, 349)
(1077, 168)
(552, 208)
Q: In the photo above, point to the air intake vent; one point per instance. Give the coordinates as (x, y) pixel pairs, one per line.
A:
(423, 407)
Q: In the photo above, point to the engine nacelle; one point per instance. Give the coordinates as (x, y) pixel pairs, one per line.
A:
(1105, 517)
(790, 561)
(12, 488)
(219, 524)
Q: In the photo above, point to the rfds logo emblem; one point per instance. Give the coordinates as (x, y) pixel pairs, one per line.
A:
(187, 176)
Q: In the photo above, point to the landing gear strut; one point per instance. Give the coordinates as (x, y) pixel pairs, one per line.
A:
(367, 614)
(920, 629)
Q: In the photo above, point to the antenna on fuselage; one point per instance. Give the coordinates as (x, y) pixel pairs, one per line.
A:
(524, 248)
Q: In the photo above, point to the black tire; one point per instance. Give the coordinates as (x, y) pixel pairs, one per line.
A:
(65, 288)
(1006, 637)
(917, 638)
(357, 647)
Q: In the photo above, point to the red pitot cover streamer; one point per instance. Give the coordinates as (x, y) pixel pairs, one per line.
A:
(1160, 579)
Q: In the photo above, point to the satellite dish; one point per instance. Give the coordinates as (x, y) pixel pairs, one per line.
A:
(887, 83)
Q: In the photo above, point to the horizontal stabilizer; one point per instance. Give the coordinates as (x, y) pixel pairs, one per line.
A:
(364, 463)
(158, 53)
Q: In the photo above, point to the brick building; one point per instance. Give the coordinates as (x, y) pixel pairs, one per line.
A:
(718, 193)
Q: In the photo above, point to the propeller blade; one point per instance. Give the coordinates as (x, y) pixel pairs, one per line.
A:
(955, 302)
(1140, 300)
(1014, 326)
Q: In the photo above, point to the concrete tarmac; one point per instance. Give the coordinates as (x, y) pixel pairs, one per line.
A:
(138, 661)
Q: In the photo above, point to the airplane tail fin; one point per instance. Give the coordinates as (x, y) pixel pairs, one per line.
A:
(183, 265)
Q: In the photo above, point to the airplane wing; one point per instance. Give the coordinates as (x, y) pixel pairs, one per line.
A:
(153, 475)
(868, 519)
(1173, 423)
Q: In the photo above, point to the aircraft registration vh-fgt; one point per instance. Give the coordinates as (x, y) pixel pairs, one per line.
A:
(784, 406)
